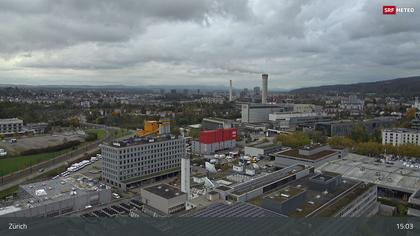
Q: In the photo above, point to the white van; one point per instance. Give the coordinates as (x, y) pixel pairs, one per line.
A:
(3, 153)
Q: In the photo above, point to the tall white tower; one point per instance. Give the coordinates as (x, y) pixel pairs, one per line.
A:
(230, 92)
(264, 88)
(185, 175)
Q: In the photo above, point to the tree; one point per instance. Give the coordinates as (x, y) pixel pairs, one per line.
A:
(408, 116)
(74, 122)
(194, 132)
(341, 142)
(294, 140)
(317, 137)
(359, 133)
(370, 149)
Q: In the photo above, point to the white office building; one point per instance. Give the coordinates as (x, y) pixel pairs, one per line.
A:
(135, 161)
(289, 120)
(256, 113)
(11, 126)
(400, 136)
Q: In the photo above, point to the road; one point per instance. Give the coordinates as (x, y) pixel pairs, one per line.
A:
(32, 172)
(35, 173)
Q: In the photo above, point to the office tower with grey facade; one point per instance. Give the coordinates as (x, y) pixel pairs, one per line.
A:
(138, 161)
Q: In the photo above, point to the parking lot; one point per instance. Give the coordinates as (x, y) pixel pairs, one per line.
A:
(37, 142)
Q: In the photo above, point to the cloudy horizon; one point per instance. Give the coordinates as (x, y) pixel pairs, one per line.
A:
(299, 43)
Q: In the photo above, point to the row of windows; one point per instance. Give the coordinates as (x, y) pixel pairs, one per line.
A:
(147, 172)
(146, 166)
(153, 153)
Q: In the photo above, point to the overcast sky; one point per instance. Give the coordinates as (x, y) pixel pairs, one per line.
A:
(206, 42)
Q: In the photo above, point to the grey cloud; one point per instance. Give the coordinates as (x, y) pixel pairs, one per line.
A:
(297, 42)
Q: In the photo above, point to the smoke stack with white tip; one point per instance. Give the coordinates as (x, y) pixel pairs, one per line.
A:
(264, 88)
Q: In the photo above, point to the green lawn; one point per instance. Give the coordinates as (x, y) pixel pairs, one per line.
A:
(100, 132)
(11, 164)
(122, 132)
(8, 192)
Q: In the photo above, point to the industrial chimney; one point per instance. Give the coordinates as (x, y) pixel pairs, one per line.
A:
(264, 88)
(230, 92)
(185, 175)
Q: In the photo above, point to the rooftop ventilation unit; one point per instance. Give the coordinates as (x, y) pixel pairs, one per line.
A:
(285, 195)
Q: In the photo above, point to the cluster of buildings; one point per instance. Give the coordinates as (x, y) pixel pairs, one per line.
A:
(57, 197)
(12, 126)
(262, 179)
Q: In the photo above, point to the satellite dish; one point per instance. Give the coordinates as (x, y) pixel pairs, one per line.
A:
(210, 167)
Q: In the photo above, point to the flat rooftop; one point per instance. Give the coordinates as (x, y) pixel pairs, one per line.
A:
(265, 145)
(312, 146)
(133, 141)
(266, 179)
(315, 199)
(165, 190)
(10, 121)
(239, 209)
(294, 153)
(335, 122)
(49, 191)
(401, 130)
(61, 188)
(285, 194)
(363, 168)
(217, 119)
(335, 206)
(223, 188)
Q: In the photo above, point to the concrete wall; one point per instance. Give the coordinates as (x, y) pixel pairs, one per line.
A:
(75, 203)
(160, 203)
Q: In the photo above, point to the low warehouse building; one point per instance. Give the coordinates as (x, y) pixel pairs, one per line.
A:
(163, 198)
(258, 186)
(314, 155)
(57, 197)
(324, 194)
(261, 149)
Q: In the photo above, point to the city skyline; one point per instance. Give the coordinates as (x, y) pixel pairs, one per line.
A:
(205, 43)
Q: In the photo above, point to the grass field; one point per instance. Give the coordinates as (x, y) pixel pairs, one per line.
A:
(122, 132)
(11, 164)
(100, 132)
(7, 192)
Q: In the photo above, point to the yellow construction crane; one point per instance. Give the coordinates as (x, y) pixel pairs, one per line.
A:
(154, 127)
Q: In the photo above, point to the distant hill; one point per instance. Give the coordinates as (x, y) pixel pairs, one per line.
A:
(402, 86)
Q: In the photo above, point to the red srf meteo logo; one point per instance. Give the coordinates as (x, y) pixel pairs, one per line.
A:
(393, 10)
(389, 10)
